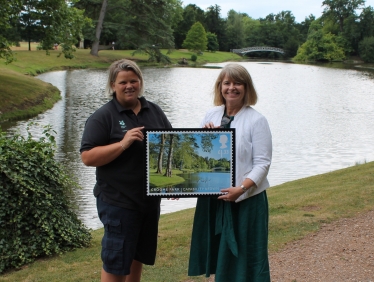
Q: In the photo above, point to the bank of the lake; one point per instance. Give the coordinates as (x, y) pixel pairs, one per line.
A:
(24, 96)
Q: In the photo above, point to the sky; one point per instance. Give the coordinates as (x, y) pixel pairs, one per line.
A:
(221, 147)
(260, 9)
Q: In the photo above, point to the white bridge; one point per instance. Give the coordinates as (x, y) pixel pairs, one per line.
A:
(244, 51)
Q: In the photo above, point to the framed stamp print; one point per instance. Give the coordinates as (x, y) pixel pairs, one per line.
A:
(184, 162)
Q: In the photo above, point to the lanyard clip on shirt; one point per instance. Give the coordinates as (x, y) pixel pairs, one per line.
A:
(226, 121)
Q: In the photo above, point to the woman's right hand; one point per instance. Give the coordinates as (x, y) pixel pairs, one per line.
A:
(135, 134)
(102, 155)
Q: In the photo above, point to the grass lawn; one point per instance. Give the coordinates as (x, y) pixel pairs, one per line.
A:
(297, 208)
(23, 96)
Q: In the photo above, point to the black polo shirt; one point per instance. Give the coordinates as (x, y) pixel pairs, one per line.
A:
(122, 181)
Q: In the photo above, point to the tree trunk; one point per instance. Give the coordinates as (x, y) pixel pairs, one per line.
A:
(168, 172)
(341, 24)
(160, 154)
(99, 27)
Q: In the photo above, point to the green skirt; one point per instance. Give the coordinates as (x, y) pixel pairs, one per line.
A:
(230, 240)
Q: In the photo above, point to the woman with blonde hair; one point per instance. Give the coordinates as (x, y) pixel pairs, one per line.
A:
(230, 232)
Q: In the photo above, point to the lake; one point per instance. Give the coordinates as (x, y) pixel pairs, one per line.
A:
(321, 118)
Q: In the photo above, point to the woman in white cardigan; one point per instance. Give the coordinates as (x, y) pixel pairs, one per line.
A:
(230, 233)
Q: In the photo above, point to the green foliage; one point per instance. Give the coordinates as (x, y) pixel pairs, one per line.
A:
(193, 58)
(131, 24)
(340, 10)
(366, 49)
(276, 30)
(63, 25)
(366, 22)
(36, 215)
(320, 46)
(191, 14)
(147, 22)
(212, 42)
(235, 30)
(45, 21)
(9, 10)
(216, 25)
(341, 19)
(154, 53)
(5, 51)
(196, 39)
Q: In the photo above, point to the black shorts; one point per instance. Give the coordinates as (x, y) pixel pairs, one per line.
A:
(128, 235)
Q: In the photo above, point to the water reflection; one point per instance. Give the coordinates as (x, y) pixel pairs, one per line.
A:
(205, 181)
(322, 119)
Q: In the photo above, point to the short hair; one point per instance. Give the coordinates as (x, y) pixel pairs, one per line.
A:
(240, 74)
(123, 65)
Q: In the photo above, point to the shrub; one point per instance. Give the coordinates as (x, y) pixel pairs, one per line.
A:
(36, 213)
(193, 58)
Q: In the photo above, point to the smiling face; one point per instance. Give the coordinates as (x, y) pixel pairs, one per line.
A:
(127, 88)
(232, 91)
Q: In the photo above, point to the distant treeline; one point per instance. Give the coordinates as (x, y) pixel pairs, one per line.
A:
(345, 29)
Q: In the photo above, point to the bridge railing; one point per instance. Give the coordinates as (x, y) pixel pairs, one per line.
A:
(257, 49)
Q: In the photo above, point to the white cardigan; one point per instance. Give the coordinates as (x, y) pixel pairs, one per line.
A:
(253, 146)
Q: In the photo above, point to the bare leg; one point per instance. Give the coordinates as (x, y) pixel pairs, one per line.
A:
(134, 276)
(108, 277)
(135, 272)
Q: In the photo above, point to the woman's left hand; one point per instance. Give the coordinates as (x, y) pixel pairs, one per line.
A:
(231, 194)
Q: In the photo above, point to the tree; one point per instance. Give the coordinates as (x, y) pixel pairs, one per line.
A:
(234, 30)
(351, 35)
(146, 23)
(160, 153)
(340, 10)
(154, 53)
(95, 45)
(366, 49)
(320, 46)
(251, 30)
(275, 30)
(291, 37)
(366, 22)
(216, 25)
(206, 142)
(196, 39)
(168, 171)
(212, 42)
(8, 14)
(150, 23)
(29, 22)
(303, 27)
(47, 21)
(191, 14)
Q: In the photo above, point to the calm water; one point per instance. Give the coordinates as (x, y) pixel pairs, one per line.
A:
(204, 181)
(322, 119)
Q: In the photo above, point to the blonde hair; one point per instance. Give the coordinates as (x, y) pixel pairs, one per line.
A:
(123, 65)
(240, 74)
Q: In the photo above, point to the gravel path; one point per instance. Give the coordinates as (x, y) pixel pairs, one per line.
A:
(341, 251)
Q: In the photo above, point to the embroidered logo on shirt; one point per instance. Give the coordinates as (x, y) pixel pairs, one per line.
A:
(123, 125)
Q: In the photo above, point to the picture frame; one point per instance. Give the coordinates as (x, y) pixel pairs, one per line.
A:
(183, 162)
